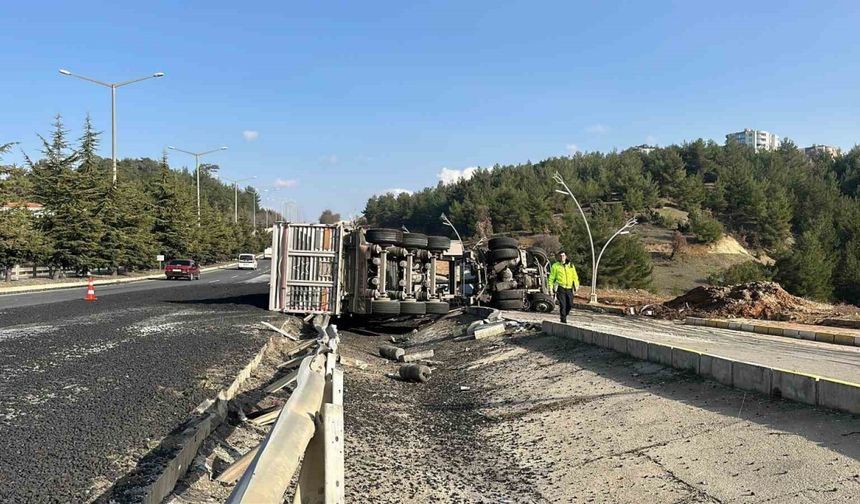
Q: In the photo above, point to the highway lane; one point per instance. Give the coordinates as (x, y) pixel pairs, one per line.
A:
(89, 388)
(231, 275)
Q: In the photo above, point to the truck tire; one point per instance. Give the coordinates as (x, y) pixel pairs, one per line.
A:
(438, 243)
(505, 295)
(383, 236)
(437, 307)
(384, 307)
(414, 240)
(503, 242)
(412, 308)
(543, 303)
(510, 304)
(503, 254)
(539, 253)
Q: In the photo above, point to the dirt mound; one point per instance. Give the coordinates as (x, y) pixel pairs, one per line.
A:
(758, 300)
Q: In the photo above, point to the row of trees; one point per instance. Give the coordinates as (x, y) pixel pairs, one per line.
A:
(89, 224)
(804, 212)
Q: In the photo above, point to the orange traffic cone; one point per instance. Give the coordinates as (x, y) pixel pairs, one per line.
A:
(91, 292)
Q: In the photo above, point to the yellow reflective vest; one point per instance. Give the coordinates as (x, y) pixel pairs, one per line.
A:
(564, 275)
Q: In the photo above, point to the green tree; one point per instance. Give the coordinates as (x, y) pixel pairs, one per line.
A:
(704, 227)
(806, 270)
(174, 219)
(329, 217)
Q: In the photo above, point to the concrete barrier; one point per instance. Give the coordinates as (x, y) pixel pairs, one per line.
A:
(661, 354)
(773, 330)
(839, 395)
(716, 368)
(751, 377)
(790, 385)
(795, 386)
(685, 359)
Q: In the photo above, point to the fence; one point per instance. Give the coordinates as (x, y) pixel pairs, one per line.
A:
(308, 431)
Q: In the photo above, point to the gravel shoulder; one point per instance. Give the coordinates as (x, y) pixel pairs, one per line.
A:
(550, 420)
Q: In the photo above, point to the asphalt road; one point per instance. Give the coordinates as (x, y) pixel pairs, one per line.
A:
(89, 388)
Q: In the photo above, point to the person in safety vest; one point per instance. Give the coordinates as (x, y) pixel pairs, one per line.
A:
(564, 280)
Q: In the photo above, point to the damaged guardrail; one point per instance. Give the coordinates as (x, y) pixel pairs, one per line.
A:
(308, 434)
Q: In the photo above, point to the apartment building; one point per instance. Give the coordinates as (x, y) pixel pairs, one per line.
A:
(757, 139)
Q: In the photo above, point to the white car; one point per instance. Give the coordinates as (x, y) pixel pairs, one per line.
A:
(247, 261)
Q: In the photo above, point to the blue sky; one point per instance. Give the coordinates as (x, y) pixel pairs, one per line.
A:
(351, 98)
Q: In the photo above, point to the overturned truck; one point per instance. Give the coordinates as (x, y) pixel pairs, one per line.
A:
(340, 269)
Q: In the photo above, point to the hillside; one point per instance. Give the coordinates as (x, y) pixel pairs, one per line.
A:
(802, 212)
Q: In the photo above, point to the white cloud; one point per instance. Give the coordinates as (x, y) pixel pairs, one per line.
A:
(281, 183)
(572, 149)
(450, 176)
(330, 159)
(395, 191)
(599, 129)
(250, 135)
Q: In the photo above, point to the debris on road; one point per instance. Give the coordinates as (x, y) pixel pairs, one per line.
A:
(417, 356)
(758, 300)
(489, 330)
(356, 363)
(280, 331)
(415, 373)
(391, 352)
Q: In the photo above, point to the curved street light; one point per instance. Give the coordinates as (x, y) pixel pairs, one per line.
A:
(625, 230)
(113, 87)
(559, 180)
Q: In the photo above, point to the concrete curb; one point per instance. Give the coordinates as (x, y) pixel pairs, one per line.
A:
(72, 285)
(209, 415)
(599, 308)
(764, 328)
(784, 383)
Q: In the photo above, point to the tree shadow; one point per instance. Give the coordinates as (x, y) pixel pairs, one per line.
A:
(831, 429)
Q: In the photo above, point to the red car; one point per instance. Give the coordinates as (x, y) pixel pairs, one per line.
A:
(182, 268)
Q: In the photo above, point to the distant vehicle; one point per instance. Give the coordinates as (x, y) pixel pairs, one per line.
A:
(182, 268)
(247, 261)
(267, 254)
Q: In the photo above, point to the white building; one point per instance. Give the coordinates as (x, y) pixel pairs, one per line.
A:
(757, 139)
(816, 149)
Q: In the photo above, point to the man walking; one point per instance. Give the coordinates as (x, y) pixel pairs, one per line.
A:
(563, 275)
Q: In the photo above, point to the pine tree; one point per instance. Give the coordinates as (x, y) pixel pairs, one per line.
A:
(20, 240)
(174, 219)
(807, 269)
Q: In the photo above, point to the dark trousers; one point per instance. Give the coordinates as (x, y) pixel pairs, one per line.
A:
(565, 302)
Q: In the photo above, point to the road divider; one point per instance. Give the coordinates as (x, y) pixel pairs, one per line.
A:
(787, 384)
(813, 333)
(84, 283)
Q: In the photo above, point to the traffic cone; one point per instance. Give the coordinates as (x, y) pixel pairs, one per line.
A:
(91, 292)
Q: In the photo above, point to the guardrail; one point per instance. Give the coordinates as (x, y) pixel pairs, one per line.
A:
(308, 431)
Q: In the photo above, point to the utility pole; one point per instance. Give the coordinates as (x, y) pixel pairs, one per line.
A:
(113, 87)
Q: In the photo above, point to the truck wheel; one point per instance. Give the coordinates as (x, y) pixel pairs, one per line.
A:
(539, 254)
(438, 243)
(384, 307)
(383, 236)
(437, 307)
(510, 304)
(505, 295)
(414, 240)
(503, 242)
(413, 308)
(543, 303)
(503, 254)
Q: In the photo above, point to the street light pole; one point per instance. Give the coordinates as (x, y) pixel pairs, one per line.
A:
(625, 229)
(113, 87)
(559, 180)
(197, 170)
(236, 197)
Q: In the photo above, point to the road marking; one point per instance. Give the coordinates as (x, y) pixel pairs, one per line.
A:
(213, 281)
(257, 279)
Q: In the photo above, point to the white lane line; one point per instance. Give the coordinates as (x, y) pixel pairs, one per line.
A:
(235, 276)
(213, 281)
(257, 279)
